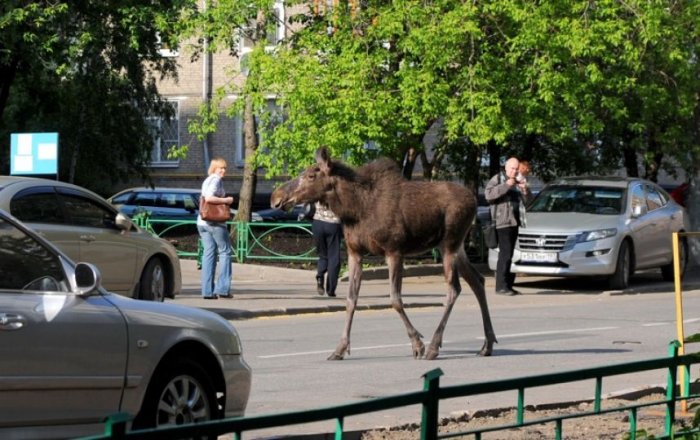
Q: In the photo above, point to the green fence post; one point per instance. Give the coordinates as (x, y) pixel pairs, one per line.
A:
(200, 252)
(339, 428)
(242, 231)
(431, 384)
(115, 425)
(671, 388)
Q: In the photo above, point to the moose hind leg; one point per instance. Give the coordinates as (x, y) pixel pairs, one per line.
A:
(452, 279)
(395, 266)
(475, 281)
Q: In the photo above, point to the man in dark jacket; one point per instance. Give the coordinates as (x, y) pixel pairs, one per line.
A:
(507, 192)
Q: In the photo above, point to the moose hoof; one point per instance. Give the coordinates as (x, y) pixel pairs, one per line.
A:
(418, 350)
(335, 357)
(431, 355)
(486, 350)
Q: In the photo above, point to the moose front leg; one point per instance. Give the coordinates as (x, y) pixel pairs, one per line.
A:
(355, 278)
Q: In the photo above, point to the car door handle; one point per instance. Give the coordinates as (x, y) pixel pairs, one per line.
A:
(87, 237)
(10, 321)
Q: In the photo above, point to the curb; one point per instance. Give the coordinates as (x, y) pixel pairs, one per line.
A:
(240, 314)
(423, 270)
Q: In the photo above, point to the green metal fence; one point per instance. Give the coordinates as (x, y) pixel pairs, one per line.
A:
(431, 395)
(257, 240)
(252, 241)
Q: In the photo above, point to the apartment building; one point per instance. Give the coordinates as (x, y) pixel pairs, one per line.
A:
(196, 82)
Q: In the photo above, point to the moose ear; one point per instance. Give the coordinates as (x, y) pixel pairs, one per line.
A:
(323, 158)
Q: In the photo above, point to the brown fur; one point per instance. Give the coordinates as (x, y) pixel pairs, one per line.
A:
(384, 214)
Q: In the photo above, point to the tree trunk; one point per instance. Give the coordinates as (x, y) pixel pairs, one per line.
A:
(7, 73)
(494, 158)
(692, 203)
(630, 159)
(409, 162)
(250, 172)
(250, 176)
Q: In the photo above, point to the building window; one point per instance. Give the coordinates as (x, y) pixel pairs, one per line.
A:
(165, 49)
(166, 135)
(239, 132)
(275, 30)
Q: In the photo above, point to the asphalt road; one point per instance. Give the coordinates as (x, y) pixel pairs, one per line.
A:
(542, 331)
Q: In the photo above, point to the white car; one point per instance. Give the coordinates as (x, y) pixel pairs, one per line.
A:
(82, 224)
(72, 353)
(599, 226)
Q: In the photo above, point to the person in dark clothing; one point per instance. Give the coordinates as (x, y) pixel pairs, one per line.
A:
(327, 232)
(507, 192)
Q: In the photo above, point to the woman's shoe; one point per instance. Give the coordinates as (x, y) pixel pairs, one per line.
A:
(211, 297)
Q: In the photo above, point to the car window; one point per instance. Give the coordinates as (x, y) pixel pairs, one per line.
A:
(190, 201)
(145, 199)
(654, 200)
(26, 264)
(176, 200)
(638, 197)
(83, 211)
(38, 205)
(122, 199)
(583, 199)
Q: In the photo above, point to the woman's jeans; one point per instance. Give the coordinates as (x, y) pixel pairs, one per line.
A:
(215, 240)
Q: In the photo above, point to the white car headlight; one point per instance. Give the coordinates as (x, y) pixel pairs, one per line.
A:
(596, 235)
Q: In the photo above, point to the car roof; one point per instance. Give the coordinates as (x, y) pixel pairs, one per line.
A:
(161, 189)
(611, 181)
(7, 181)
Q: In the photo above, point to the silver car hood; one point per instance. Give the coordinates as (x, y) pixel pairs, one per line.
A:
(148, 317)
(567, 222)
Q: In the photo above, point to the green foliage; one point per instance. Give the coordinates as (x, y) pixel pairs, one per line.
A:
(582, 78)
(87, 70)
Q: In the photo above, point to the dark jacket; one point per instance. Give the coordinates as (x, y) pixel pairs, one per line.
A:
(507, 203)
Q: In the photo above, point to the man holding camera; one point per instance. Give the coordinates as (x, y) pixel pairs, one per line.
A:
(508, 192)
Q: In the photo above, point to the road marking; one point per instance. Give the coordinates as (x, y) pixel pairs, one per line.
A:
(554, 332)
(306, 353)
(512, 335)
(685, 321)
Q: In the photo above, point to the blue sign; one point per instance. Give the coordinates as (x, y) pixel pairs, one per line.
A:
(34, 153)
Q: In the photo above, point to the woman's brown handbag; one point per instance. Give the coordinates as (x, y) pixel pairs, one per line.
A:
(214, 212)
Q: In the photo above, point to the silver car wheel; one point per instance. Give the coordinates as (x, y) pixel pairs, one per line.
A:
(153, 281)
(621, 278)
(181, 391)
(183, 400)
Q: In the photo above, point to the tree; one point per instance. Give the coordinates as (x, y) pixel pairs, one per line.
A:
(88, 71)
(222, 25)
(573, 83)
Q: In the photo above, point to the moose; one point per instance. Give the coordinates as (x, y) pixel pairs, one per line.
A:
(384, 214)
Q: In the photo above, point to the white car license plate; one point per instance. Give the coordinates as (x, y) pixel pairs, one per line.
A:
(539, 257)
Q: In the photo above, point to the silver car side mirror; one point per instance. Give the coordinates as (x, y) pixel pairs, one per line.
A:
(87, 278)
(123, 222)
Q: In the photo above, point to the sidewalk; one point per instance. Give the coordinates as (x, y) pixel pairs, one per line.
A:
(273, 291)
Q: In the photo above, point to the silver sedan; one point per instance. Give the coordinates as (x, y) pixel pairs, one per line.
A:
(82, 224)
(73, 353)
(599, 226)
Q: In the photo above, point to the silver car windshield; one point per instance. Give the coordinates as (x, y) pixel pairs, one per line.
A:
(583, 199)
